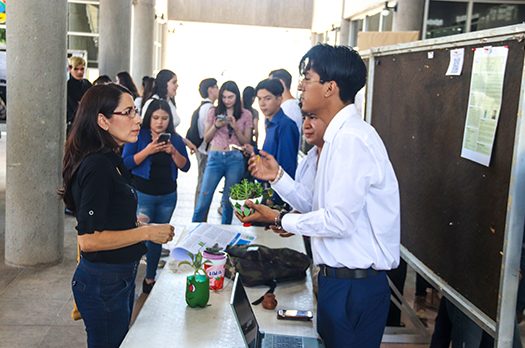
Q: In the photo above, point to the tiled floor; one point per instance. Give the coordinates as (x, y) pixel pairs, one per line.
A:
(35, 304)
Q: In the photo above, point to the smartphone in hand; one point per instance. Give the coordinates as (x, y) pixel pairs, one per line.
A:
(163, 138)
(237, 147)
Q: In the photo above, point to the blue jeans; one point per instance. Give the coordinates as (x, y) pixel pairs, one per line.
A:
(352, 312)
(104, 294)
(159, 210)
(220, 163)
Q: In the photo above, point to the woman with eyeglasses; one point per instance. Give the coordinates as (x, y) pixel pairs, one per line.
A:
(166, 84)
(226, 124)
(97, 188)
(155, 164)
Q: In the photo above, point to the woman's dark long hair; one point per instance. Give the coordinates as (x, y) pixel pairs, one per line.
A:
(86, 136)
(148, 90)
(125, 80)
(248, 97)
(237, 107)
(154, 106)
(161, 84)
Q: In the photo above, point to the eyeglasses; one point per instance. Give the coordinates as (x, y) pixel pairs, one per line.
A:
(303, 80)
(131, 112)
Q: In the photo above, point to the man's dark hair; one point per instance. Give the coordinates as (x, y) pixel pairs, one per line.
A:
(340, 64)
(284, 75)
(205, 84)
(273, 86)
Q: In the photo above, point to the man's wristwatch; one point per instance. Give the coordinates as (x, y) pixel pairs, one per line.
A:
(279, 222)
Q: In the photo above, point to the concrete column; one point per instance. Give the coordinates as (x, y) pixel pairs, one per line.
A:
(36, 128)
(164, 47)
(115, 37)
(409, 15)
(344, 32)
(143, 39)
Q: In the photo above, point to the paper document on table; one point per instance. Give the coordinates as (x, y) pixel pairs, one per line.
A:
(206, 235)
(486, 90)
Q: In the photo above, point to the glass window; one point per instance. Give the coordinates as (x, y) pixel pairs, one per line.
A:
(355, 28)
(373, 22)
(85, 43)
(486, 16)
(387, 21)
(446, 18)
(83, 18)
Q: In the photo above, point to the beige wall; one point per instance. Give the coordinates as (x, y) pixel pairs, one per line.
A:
(268, 13)
(326, 13)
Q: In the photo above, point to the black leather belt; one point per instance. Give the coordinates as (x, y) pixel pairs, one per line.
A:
(346, 273)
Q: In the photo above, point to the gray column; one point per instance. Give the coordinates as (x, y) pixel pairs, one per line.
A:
(409, 15)
(344, 32)
(36, 128)
(164, 47)
(143, 39)
(115, 37)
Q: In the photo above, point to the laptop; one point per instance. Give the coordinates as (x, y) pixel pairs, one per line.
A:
(253, 337)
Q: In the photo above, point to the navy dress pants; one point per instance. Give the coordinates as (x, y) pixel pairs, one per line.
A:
(353, 312)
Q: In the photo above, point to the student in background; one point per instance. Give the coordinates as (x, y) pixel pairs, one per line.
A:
(281, 132)
(155, 167)
(209, 92)
(248, 97)
(226, 124)
(290, 105)
(77, 86)
(125, 79)
(166, 84)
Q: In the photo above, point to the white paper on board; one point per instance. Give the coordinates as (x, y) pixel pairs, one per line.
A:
(456, 62)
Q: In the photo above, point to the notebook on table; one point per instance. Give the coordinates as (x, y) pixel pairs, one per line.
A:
(253, 337)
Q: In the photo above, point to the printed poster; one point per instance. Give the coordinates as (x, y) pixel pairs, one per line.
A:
(486, 89)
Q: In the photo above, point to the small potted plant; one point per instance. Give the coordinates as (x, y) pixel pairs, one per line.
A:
(215, 270)
(197, 285)
(253, 191)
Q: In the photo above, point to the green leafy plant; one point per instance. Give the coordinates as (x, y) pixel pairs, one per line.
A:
(197, 262)
(248, 190)
(214, 250)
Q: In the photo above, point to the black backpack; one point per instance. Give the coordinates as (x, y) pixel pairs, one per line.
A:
(193, 132)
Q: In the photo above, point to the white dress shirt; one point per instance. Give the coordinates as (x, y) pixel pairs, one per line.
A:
(176, 118)
(203, 114)
(355, 222)
(299, 192)
(292, 110)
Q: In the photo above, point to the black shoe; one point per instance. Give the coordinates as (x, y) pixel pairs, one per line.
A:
(146, 288)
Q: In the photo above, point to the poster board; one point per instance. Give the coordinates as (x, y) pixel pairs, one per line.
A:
(461, 222)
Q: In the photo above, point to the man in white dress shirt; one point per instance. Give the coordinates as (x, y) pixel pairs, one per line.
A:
(290, 105)
(355, 220)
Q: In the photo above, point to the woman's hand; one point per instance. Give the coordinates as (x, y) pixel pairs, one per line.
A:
(262, 213)
(263, 167)
(221, 123)
(155, 147)
(190, 146)
(160, 234)
(170, 149)
(232, 121)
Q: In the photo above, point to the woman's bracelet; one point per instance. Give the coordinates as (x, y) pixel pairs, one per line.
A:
(278, 177)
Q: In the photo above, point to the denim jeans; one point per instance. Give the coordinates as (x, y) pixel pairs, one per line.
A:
(220, 163)
(159, 210)
(104, 294)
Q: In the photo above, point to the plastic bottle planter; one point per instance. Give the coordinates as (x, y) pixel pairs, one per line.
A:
(215, 271)
(242, 209)
(197, 290)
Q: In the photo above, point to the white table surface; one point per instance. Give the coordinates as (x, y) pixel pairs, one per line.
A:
(166, 320)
